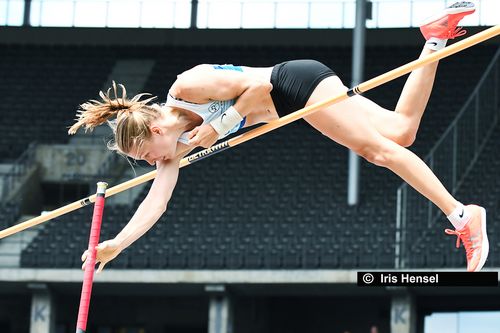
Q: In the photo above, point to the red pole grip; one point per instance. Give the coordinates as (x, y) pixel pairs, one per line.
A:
(88, 278)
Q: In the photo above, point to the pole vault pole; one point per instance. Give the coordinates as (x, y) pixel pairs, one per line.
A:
(357, 90)
(88, 278)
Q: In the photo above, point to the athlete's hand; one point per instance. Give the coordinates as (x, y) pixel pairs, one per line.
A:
(106, 251)
(204, 136)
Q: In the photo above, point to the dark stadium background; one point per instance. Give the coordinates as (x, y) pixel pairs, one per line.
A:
(277, 247)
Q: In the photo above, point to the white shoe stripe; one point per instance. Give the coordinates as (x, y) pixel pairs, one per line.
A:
(485, 248)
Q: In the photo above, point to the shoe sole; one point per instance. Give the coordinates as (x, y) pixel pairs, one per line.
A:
(485, 246)
(449, 11)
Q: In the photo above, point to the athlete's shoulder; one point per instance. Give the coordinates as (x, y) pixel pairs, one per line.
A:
(189, 78)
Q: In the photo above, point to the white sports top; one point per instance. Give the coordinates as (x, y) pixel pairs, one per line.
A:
(207, 111)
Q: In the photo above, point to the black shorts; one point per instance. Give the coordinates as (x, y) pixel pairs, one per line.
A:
(294, 82)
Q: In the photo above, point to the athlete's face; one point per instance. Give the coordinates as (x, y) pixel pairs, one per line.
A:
(161, 146)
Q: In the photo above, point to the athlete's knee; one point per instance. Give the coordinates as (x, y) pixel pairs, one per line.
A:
(407, 138)
(407, 133)
(380, 153)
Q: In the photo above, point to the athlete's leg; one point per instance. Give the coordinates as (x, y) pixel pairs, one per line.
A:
(415, 95)
(346, 123)
(402, 126)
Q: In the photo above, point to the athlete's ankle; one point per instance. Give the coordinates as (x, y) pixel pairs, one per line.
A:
(459, 217)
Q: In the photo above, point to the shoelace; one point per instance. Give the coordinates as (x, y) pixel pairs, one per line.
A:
(465, 237)
(458, 32)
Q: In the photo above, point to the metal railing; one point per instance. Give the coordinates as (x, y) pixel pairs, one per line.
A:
(11, 182)
(20, 168)
(227, 14)
(452, 158)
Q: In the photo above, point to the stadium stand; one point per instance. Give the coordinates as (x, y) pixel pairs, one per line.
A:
(280, 211)
(49, 80)
(9, 213)
(477, 188)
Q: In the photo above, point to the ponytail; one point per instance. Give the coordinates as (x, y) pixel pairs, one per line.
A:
(94, 113)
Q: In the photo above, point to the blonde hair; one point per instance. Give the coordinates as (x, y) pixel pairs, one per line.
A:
(133, 117)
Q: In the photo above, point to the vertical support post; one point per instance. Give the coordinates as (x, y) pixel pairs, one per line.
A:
(397, 248)
(404, 225)
(476, 122)
(220, 312)
(358, 56)
(497, 104)
(428, 202)
(455, 159)
(42, 318)
(194, 14)
(27, 13)
(403, 313)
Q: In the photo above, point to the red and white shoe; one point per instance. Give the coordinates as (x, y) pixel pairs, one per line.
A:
(444, 24)
(474, 238)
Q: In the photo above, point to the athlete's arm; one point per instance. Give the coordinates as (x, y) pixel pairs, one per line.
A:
(153, 206)
(148, 212)
(203, 83)
(156, 201)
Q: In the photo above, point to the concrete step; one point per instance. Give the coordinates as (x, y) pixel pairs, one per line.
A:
(9, 261)
(12, 246)
(5, 167)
